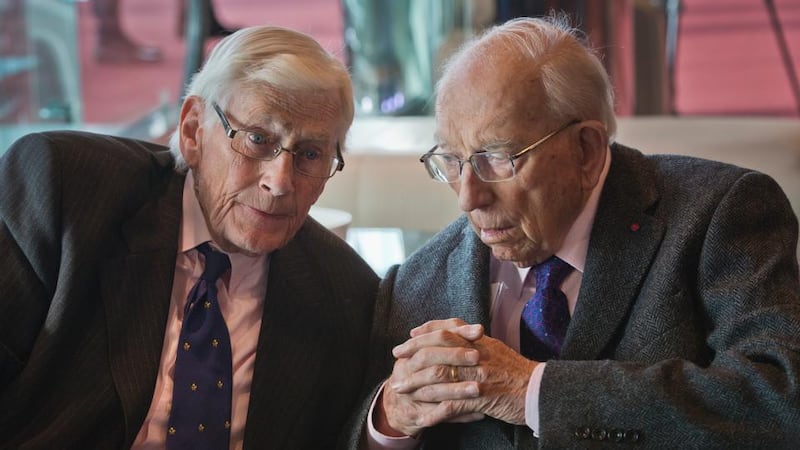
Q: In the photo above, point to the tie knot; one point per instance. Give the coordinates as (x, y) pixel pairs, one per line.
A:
(551, 273)
(217, 263)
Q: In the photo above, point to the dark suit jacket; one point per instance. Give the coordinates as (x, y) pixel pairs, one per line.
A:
(686, 332)
(88, 233)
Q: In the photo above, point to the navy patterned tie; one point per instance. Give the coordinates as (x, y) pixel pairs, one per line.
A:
(545, 317)
(200, 416)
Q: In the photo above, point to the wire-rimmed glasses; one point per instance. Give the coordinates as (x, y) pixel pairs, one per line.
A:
(491, 166)
(263, 146)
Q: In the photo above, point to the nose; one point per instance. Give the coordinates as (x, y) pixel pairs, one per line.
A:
(277, 175)
(473, 193)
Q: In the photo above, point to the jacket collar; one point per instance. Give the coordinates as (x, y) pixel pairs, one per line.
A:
(623, 242)
(136, 284)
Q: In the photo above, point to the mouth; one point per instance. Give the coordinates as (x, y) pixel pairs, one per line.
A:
(267, 215)
(494, 235)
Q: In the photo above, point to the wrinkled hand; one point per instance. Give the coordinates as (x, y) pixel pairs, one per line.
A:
(493, 378)
(439, 345)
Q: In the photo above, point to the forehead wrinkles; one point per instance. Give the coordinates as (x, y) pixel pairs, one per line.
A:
(473, 116)
(317, 110)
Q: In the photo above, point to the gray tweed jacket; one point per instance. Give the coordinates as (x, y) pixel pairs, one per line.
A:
(686, 333)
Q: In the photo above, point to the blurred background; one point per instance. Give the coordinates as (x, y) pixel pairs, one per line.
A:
(710, 78)
(120, 65)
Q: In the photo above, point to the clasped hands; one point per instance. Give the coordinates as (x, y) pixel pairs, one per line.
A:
(450, 371)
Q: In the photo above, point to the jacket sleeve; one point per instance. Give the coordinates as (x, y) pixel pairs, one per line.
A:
(30, 245)
(729, 378)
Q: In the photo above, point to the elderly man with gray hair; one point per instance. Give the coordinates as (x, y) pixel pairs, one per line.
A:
(184, 298)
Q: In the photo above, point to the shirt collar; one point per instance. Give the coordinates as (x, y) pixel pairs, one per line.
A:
(194, 230)
(576, 244)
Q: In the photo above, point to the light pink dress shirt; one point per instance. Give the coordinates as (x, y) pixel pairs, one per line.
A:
(241, 299)
(510, 290)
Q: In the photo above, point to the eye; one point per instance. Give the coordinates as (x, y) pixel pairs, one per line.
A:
(447, 158)
(444, 162)
(311, 154)
(256, 138)
(495, 158)
(261, 144)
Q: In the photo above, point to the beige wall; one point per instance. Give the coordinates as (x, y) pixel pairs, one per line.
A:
(384, 184)
(390, 190)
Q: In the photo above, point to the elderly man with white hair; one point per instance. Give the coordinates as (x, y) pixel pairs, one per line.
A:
(185, 299)
(591, 296)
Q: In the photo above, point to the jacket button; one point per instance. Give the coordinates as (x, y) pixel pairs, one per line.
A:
(632, 436)
(599, 434)
(583, 432)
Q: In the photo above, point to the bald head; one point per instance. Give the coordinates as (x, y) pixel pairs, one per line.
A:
(542, 58)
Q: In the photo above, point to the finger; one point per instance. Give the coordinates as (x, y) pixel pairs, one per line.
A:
(441, 357)
(470, 332)
(433, 325)
(440, 392)
(474, 372)
(434, 375)
(436, 338)
(471, 417)
(435, 362)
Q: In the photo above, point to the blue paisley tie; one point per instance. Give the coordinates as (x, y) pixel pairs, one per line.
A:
(545, 317)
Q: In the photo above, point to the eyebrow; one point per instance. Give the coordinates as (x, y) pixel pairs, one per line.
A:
(498, 144)
(266, 118)
(494, 145)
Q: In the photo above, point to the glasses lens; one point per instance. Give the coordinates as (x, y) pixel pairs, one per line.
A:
(443, 167)
(315, 164)
(493, 166)
(256, 145)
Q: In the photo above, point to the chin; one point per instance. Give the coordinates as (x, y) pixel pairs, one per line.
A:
(264, 247)
(505, 254)
(522, 263)
(513, 255)
(253, 242)
(250, 247)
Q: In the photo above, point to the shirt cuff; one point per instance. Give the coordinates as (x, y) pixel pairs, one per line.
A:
(379, 441)
(532, 399)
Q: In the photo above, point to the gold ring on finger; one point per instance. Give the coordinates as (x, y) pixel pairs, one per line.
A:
(453, 374)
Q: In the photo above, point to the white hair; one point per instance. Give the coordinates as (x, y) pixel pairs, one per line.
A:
(575, 83)
(257, 57)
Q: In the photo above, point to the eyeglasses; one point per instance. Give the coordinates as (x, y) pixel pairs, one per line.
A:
(263, 146)
(490, 166)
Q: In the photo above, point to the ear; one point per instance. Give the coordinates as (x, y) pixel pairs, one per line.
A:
(593, 142)
(191, 131)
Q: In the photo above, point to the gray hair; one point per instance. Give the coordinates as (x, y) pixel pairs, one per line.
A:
(576, 85)
(265, 56)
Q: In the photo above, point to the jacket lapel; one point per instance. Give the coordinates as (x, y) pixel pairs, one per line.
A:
(291, 348)
(623, 242)
(468, 290)
(136, 287)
